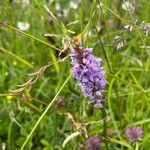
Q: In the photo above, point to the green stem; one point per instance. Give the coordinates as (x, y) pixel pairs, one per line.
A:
(29, 36)
(137, 146)
(16, 57)
(44, 113)
(104, 115)
(104, 50)
(115, 14)
(31, 106)
(105, 22)
(109, 105)
(9, 135)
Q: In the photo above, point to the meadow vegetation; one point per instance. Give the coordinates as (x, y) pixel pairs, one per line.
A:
(42, 106)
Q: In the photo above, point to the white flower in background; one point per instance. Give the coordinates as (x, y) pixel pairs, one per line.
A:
(65, 12)
(23, 25)
(100, 5)
(3, 146)
(145, 27)
(126, 5)
(73, 5)
(57, 6)
(26, 2)
(23, 2)
(128, 27)
(119, 42)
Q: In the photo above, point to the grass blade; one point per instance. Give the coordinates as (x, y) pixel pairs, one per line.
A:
(44, 113)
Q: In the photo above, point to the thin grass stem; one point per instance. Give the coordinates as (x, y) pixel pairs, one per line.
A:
(44, 113)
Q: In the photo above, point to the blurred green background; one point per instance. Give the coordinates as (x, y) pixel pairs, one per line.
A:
(105, 27)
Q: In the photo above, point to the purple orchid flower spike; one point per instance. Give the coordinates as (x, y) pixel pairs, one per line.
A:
(89, 74)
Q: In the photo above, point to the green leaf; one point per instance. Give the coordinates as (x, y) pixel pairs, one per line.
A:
(64, 29)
